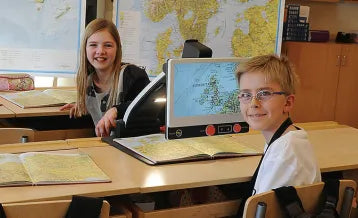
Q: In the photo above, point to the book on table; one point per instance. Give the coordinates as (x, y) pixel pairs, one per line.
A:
(155, 149)
(41, 168)
(41, 98)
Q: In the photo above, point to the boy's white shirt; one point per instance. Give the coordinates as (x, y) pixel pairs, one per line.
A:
(289, 161)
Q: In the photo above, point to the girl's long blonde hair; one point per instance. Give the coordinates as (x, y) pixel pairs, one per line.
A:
(85, 68)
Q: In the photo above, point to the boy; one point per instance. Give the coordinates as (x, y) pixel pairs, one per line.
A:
(267, 87)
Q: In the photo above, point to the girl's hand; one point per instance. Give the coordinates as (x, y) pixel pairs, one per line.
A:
(71, 107)
(108, 121)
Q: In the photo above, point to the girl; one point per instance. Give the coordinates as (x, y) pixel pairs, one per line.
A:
(105, 85)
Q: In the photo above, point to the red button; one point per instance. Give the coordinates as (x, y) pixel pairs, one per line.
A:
(237, 128)
(210, 130)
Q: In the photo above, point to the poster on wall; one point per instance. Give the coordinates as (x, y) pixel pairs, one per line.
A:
(40, 36)
(154, 30)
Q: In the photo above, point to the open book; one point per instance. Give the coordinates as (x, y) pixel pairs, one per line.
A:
(41, 168)
(155, 149)
(45, 98)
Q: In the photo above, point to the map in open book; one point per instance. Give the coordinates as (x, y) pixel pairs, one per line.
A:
(155, 149)
(40, 168)
(41, 98)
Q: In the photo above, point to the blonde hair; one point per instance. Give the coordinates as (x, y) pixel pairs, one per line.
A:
(85, 68)
(276, 69)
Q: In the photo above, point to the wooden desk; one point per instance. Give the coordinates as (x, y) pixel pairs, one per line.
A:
(129, 175)
(86, 142)
(35, 146)
(165, 177)
(320, 125)
(31, 112)
(124, 171)
(15, 116)
(198, 174)
(335, 148)
(5, 113)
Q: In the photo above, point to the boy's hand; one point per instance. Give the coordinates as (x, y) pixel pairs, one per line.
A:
(71, 107)
(103, 127)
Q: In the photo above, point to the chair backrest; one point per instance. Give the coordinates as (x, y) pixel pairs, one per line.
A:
(45, 209)
(309, 195)
(14, 135)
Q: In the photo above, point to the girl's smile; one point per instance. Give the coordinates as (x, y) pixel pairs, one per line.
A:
(101, 51)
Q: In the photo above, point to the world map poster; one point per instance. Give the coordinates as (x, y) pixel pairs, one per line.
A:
(40, 36)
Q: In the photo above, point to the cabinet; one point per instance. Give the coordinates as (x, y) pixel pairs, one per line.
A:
(333, 0)
(347, 92)
(328, 81)
(324, 0)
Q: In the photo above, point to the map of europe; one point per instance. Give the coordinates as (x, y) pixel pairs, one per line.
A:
(154, 30)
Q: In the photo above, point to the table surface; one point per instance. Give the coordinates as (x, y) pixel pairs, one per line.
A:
(5, 112)
(31, 112)
(335, 148)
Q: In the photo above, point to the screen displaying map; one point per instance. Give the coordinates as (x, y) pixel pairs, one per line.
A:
(153, 31)
(40, 36)
(205, 88)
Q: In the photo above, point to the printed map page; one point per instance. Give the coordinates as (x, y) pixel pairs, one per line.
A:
(214, 145)
(37, 98)
(12, 172)
(156, 148)
(66, 96)
(47, 168)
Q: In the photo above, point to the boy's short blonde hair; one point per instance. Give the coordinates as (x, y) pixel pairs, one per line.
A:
(276, 69)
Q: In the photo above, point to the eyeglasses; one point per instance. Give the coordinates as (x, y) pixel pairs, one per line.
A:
(263, 95)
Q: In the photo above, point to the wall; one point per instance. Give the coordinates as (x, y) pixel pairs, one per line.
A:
(108, 9)
(335, 17)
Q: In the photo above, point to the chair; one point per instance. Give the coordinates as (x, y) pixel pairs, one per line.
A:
(309, 195)
(14, 135)
(45, 209)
